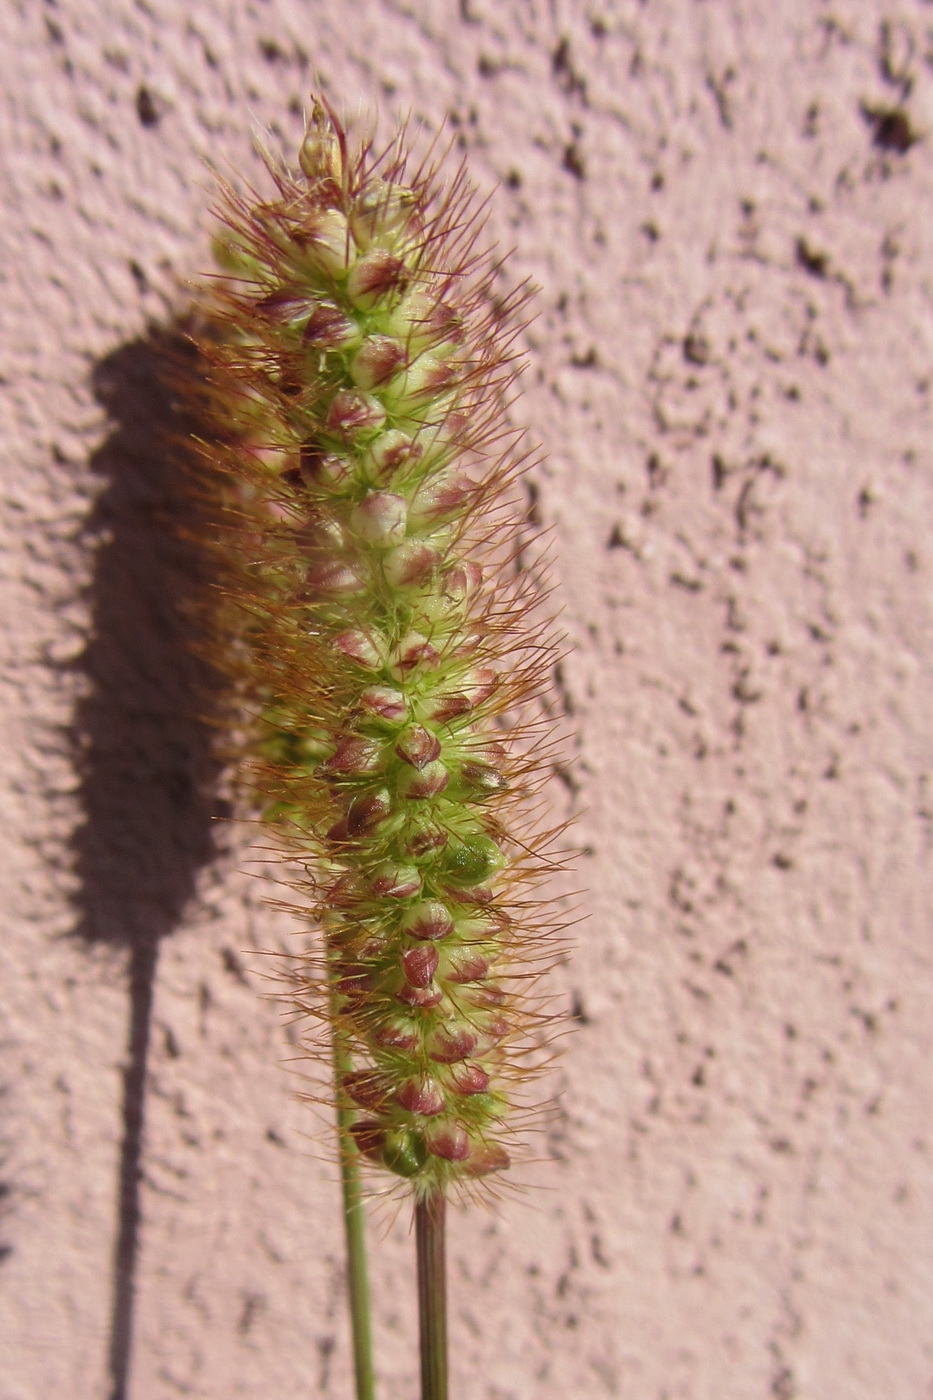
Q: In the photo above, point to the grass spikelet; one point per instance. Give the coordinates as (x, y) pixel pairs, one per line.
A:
(391, 649)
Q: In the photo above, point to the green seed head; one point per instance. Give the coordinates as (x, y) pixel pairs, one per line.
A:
(357, 370)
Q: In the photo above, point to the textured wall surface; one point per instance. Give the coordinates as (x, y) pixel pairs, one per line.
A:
(728, 208)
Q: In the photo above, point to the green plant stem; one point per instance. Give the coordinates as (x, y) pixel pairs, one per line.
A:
(432, 1295)
(354, 1220)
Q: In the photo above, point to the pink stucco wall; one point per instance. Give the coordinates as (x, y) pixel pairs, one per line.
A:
(728, 207)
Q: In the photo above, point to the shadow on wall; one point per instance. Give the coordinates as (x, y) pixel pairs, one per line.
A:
(5, 1190)
(144, 730)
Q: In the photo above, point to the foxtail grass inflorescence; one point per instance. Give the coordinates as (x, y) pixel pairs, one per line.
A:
(388, 637)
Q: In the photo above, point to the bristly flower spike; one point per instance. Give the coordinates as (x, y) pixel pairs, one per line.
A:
(387, 638)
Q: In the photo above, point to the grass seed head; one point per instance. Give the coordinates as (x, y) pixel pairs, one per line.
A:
(380, 625)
